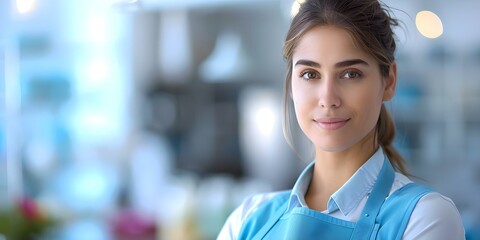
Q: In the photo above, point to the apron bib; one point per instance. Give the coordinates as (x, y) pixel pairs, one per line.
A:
(303, 223)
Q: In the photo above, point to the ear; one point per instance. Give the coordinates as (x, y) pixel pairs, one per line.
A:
(390, 83)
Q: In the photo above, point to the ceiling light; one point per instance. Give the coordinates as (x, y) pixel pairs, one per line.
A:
(429, 24)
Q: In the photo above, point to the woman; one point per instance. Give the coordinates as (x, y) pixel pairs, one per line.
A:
(341, 68)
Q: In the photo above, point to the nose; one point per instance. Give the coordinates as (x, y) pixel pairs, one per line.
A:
(328, 94)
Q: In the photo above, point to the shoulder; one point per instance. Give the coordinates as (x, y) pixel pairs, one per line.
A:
(435, 217)
(426, 214)
(399, 181)
(234, 223)
(253, 202)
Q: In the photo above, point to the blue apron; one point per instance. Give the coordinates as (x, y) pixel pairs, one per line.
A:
(380, 218)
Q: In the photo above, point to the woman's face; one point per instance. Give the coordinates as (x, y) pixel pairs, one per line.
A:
(337, 89)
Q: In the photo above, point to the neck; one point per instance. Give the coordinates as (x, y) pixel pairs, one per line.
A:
(333, 169)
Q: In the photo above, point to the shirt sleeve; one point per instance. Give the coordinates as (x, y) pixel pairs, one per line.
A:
(231, 228)
(435, 217)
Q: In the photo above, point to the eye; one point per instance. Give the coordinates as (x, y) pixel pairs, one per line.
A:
(351, 74)
(309, 75)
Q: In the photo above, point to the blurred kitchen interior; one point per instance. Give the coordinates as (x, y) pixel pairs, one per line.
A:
(153, 119)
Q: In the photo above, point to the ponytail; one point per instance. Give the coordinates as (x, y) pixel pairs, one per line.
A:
(385, 136)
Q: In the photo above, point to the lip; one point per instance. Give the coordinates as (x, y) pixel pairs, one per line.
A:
(331, 123)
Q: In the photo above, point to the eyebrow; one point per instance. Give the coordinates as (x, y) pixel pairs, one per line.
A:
(308, 63)
(350, 62)
(345, 63)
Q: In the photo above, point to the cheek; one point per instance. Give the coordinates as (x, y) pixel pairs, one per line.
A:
(301, 97)
(300, 104)
(301, 92)
(368, 95)
(369, 107)
(296, 96)
(366, 102)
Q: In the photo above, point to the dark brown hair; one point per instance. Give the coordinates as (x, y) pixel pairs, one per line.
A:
(370, 24)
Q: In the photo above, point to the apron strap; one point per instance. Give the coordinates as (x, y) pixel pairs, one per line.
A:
(381, 189)
(273, 220)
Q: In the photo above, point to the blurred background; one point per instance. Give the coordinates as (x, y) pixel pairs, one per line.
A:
(153, 119)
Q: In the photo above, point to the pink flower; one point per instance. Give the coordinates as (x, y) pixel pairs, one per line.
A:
(29, 208)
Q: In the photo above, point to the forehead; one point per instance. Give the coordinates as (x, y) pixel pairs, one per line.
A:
(329, 44)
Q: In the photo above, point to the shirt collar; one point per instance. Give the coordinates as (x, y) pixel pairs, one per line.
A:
(350, 194)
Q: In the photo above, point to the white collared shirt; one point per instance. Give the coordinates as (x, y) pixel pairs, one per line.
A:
(434, 217)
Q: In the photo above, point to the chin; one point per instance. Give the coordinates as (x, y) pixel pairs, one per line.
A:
(332, 147)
